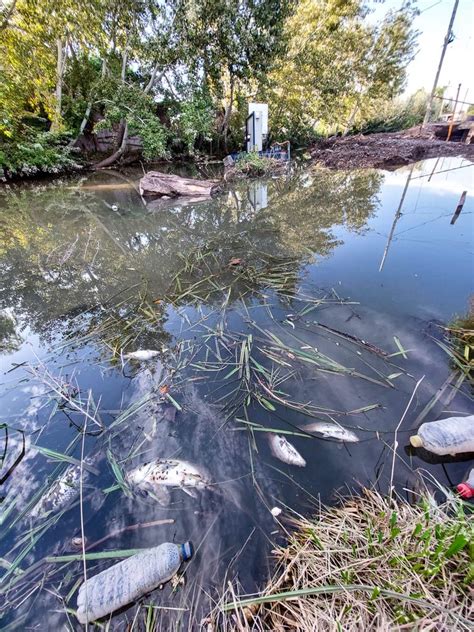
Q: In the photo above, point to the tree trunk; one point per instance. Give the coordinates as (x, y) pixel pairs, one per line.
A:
(83, 124)
(153, 79)
(352, 116)
(124, 64)
(117, 154)
(60, 67)
(7, 15)
(228, 110)
(156, 185)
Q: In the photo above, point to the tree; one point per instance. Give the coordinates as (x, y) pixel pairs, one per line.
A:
(334, 61)
(236, 41)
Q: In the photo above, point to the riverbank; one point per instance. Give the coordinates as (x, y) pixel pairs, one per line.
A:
(382, 151)
(371, 563)
(385, 150)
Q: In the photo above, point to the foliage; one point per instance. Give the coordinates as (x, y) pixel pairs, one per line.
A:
(36, 153)
(195, 120)
(127, 102)
(336, 63)
(320, 65)
(394, 115)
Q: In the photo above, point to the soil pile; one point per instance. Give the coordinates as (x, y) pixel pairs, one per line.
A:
(385, 151)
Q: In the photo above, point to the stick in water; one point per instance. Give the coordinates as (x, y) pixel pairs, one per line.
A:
(458, 210)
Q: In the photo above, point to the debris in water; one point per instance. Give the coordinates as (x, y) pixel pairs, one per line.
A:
(142, 355)
(276, 511)
(156, 476)
(283, 450)
(63, 492)
(128, 580)
(466, 488)
(331, 431)
(77, 542)
(454, 435)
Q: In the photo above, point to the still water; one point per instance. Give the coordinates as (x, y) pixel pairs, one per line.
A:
(277, 304)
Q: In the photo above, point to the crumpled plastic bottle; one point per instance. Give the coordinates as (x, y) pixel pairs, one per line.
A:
(128, 580)
(454, 435)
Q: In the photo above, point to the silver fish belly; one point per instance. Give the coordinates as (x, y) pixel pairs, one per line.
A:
(331, 431)
(283, 450)
(142, 355)
(153, 476)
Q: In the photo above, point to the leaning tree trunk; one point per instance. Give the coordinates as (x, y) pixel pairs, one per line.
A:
(350, 122)
(117, 154)
(123, 128)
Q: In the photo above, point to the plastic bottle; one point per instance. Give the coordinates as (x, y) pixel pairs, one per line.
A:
(128, 580)
(453, 435)
(466, 489)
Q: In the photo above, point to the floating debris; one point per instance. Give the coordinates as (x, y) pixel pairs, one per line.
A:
(153, 478)
(276, 511)
(142, 355)
(283, 450)
(454, 435)
(128, 580)
(331, 431)
(63, 492)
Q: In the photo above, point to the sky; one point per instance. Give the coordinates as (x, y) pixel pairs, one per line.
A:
(433, 23)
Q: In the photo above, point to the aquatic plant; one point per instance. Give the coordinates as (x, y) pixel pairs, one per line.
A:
(252, 165)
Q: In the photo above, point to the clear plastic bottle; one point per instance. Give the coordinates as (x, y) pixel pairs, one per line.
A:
(453, 435)
(128, 580)
(466, 489)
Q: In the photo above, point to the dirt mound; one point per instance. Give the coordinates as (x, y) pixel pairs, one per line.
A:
(385, 151)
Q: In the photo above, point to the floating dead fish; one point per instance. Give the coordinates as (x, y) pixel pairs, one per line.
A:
(63, 492)
(157, 476)
(331, 431)
(142, 355)
(283, 450)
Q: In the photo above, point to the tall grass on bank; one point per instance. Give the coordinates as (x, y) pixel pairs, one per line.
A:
(368, 564)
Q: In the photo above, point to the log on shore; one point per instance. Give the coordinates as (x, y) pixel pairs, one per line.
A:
(156, 184)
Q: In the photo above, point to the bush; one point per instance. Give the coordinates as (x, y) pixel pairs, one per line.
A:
(36, 153)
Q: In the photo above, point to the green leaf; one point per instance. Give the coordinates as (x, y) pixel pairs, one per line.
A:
(457, 545)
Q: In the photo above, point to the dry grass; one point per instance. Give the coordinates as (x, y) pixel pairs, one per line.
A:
(368, 564)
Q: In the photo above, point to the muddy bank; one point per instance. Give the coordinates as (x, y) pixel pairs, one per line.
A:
(385, 151)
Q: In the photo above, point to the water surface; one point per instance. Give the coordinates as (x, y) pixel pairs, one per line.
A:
(270, 309)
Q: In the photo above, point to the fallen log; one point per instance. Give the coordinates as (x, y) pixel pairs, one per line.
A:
(156, 185)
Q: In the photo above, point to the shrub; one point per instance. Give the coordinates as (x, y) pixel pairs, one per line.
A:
(36, 153)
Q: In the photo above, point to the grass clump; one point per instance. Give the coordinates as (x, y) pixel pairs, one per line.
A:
(459, 344)
(369, 564)
(252, 165)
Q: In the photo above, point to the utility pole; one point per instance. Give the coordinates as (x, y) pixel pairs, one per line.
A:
(447, 40)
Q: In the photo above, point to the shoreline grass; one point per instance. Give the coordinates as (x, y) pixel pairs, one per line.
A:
(367, 564)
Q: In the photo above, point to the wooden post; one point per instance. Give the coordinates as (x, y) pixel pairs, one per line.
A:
(450, 129)
(458, 210)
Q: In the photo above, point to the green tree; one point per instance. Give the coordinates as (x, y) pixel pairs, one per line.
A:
(335, 62)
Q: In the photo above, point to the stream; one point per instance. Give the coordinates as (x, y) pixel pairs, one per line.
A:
(280, 303)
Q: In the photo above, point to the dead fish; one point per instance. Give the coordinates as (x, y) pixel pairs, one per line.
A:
(62, 493)
(142, 355)
(283, 450)
(155, 477)
(331, 431)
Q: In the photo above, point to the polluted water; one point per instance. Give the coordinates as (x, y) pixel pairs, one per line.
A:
(204, 352)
